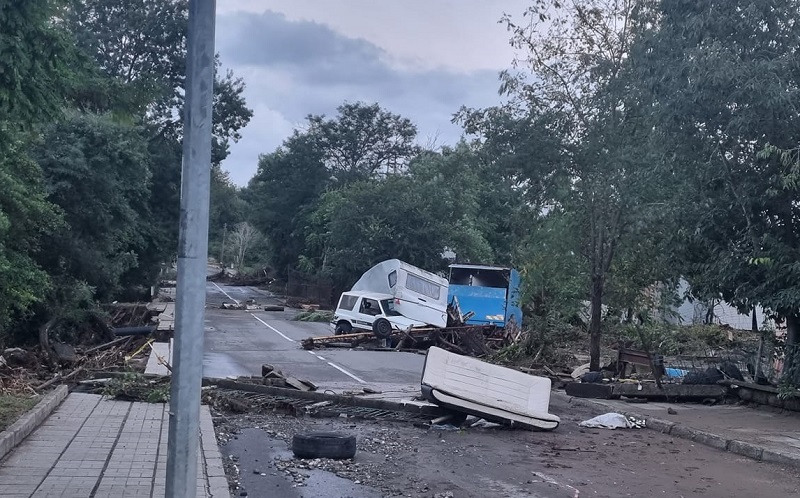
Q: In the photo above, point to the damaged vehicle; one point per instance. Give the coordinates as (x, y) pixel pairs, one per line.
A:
(418, 294)
(360, 311)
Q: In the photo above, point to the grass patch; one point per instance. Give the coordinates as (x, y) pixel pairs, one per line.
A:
(12, 407)
(314, 316)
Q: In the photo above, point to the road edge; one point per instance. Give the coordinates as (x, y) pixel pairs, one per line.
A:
(30, 420)
(674, 429)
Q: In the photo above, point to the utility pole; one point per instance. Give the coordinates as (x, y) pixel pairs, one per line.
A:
(222, 253)
(187, 369)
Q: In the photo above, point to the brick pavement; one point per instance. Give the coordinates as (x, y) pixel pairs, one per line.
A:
(91, 447)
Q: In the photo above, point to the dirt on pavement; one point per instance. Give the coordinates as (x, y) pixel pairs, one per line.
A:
(400, 459)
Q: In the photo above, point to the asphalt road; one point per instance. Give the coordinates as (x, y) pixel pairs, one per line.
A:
(238, 342)
(403, 460)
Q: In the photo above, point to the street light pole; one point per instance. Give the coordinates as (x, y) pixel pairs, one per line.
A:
(187, 368)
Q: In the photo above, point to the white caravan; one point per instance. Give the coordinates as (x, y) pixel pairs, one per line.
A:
(419, 295)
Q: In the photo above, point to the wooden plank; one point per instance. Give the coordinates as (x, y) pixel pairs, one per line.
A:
(296, 384)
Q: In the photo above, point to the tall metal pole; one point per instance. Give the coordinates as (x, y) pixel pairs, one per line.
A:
(187, 369)
(222, 254)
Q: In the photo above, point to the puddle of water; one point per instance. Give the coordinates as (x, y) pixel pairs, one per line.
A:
(220, 366)
(256, 451)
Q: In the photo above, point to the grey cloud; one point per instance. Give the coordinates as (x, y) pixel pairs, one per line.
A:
(296, 68)
(313, 50)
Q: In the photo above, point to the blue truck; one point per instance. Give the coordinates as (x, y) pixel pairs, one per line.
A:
(485, 295)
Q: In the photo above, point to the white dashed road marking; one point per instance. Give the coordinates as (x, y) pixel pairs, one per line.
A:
(273, 328)
(222, 291)
(337, 367)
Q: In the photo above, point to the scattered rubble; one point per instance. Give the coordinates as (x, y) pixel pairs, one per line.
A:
(249, 305)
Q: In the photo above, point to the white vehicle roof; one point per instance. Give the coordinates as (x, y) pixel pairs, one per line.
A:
(372, 295)
(376, 277)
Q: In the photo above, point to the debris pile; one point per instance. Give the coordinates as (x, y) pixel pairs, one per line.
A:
(249, 305)
(467, 340)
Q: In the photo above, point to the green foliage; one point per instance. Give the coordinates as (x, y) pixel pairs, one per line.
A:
(362, 142)
(132, 386)
(282, 195)
(13, 406)
(140, 45)
(97, 172)
(314, 316)
(723, 98)
(393, 218)
(575, 137)
(25, 217)
(34, 62)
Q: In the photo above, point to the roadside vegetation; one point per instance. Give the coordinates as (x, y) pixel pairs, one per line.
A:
(12, 406)
(639, 143)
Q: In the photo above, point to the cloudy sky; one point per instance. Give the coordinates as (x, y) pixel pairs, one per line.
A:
(422, 59)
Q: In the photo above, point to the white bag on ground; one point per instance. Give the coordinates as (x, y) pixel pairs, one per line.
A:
(608, 421)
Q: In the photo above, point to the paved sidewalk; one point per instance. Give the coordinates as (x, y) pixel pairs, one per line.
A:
(758, 433)
(94, 447)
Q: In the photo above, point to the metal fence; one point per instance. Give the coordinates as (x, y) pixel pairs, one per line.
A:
(762, 360)
(311, 288)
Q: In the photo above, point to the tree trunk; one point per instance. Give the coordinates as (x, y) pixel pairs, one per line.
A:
(594, 324)
(44, 341)
(791, 364)
(793, 330)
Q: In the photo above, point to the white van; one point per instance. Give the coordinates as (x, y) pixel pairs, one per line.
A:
(419, 295)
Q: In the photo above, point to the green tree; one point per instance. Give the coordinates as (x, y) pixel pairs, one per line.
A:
(594, 166)
(725, 80)
(282, 195)
(25, 216)
(97, 171)
(140, 47)
(34, 69)
(363, 141)
(358, 226)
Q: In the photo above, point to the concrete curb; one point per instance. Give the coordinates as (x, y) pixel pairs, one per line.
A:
(673, 429)
(20, 429)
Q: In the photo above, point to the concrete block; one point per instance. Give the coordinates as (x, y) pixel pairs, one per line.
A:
(683, 432)
(711, 440)
(660, 425)
(780, 458)
(745, 449)
(218, 487)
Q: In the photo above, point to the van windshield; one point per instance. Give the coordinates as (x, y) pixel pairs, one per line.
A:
(388, 307)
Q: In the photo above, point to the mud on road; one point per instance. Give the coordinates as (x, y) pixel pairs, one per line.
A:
(399, 459)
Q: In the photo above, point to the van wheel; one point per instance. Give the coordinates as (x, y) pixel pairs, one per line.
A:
(343, 328)
(382, 328)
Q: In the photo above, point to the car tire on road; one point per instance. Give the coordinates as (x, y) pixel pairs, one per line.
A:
(382, 328)
(324, 445)
(343, 328)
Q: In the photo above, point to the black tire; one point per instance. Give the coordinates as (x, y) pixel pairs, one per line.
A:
(343, 328)
(382, 328)
(324, 445)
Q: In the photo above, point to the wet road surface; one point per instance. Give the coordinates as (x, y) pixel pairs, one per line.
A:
(238, 342)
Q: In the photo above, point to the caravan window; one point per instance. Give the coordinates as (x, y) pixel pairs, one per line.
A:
(392, 279)
(422, 286)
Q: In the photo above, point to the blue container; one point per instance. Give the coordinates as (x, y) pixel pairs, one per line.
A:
(491, 293)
